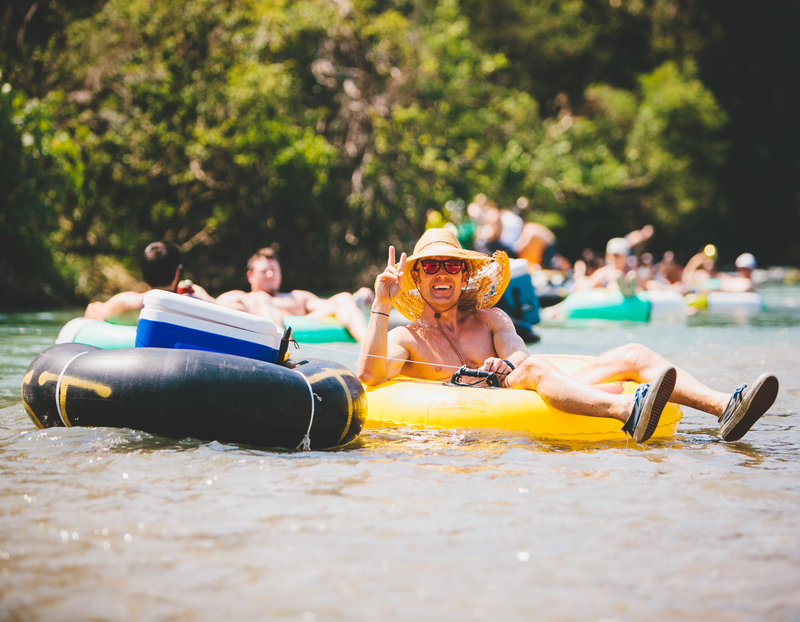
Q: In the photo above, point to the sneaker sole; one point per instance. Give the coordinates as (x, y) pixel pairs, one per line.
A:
(663, 393)
(764, 392)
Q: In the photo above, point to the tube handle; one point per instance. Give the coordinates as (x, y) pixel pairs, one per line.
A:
(491, 378)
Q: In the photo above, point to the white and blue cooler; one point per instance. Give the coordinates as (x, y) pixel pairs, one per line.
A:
(172, 321)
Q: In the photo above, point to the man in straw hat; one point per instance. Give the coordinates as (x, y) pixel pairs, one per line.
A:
(448, 294)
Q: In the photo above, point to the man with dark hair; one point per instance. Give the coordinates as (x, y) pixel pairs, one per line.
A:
(161, 268)
(264, 299)
(160, 264)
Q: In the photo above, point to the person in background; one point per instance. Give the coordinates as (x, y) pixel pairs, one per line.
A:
(489, 235)
(531, 241)
(470, 230)
(702, 275)
(537, 245)
(646, 268)
(616, 273)
(161, 269)
(513, 224)
(667, 274)
(587, 265)
(265, 299)
(745, 264)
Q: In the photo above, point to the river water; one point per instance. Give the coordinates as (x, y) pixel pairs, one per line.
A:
(107, 524)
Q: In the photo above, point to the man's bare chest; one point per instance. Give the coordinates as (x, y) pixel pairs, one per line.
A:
(437, 352)
(289, 304)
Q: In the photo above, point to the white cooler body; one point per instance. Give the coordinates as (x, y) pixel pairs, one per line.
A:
(172, 321)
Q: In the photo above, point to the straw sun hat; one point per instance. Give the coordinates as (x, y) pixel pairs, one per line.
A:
(487, 276)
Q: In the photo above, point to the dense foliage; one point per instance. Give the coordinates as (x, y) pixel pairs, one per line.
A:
(330, 129)
(41, 177)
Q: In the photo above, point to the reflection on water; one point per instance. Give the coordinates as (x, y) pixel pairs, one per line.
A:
(459, 524)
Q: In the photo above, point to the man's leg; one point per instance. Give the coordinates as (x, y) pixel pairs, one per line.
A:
(567, 393)
(350, 315)
(344, 308)
(638, 363)
(640, 412)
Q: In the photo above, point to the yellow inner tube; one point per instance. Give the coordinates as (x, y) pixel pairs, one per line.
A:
(417, 403)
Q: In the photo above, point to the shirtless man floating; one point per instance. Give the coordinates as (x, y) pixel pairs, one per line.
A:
(264, 276)
(448, 293)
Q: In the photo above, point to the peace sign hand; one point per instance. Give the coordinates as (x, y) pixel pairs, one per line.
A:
(389, 283)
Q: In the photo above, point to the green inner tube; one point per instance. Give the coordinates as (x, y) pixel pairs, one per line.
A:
(112, 336)
(603, 305)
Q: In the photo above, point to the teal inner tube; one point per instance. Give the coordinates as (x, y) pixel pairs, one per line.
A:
(96, 333)
(111, 336)
(325, 330)
(595, 304)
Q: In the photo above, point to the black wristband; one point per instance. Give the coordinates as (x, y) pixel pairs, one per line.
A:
(381, 313)
(507, 362)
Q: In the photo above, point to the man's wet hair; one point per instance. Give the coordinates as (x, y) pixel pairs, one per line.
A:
(160, 260)
(262, 253)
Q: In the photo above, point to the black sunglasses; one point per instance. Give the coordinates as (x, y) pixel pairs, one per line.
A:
(432, 266)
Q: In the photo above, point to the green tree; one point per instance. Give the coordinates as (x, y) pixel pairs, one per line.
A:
(745, 55)
(197, 131)
(330, 130)
(644, 157)
(41, 177)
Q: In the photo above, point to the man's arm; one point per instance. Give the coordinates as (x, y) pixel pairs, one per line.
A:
(595, 279)
(381, 359)
(382, 353)
(308, 300)
(640, 235)
(508, 344)
(201, 294)
(692, 266)
(122, 306)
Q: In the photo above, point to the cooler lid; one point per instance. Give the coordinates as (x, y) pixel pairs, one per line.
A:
(161, 300)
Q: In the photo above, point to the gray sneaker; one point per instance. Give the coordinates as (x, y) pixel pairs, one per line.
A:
(648, 403)
(746, 406)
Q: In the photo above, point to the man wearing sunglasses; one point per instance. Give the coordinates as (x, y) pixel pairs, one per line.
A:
(448, 293)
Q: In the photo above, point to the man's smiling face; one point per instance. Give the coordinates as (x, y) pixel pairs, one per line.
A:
(441, 287)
